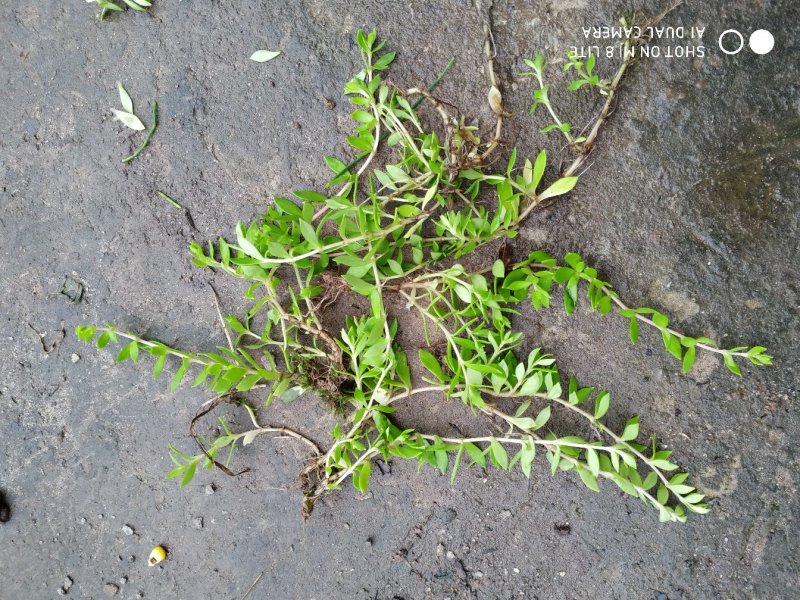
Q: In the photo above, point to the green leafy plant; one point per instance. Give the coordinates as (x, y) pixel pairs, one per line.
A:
(398, 229)
(107, 6)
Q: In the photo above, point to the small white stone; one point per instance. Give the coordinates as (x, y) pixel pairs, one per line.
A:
(75, 358)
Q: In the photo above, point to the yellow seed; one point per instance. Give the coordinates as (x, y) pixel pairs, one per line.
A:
(157, 555)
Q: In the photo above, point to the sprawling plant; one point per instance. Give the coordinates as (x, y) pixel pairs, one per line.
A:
(398, 229)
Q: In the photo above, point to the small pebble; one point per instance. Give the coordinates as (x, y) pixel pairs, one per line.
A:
(450, 555)
(369, 541)
(110, 589)
(562, 573)
(210, 489)
(123, 580)
(67, 583)
(440, 550)
(505, 514)
(127, 530)
(140, 594)
(478, 574)
(62, 591)
(75, 358)
(197, 522)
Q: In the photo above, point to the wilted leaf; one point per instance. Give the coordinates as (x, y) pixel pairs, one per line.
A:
(128, 119)
(125, 98)
(496, 100)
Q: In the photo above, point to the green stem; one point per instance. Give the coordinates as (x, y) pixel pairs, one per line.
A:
(150, 133)
(170, 200)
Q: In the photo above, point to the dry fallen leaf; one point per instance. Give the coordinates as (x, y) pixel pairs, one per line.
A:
(264, 55)
(129, 120)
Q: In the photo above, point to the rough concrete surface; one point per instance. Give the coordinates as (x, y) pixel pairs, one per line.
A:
(690, 205)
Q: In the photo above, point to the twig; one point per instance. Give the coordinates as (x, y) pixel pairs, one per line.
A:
(60, 335)
(665, 13)
(200, 414)
(495, 97)
(630, 57)
(250, 589)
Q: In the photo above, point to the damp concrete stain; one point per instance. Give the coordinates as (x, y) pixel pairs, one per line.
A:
(738, 199)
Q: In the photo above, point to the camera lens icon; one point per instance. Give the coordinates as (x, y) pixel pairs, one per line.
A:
(731, 41)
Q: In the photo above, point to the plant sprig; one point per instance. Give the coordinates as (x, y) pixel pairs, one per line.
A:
(128, 118)
(397, 226)
(148, 137)
(582, 144)
(107, 6)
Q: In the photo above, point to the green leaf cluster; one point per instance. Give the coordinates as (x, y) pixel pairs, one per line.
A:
(386, 234)
(107, 6)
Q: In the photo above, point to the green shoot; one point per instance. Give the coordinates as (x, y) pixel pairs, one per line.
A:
(170, 200)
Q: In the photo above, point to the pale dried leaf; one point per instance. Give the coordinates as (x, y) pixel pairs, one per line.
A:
(262, 56)
(128, 119)
(496, 101)
(249, 437)
(125, 98)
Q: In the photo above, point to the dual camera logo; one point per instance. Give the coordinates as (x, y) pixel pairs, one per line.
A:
(761, 41)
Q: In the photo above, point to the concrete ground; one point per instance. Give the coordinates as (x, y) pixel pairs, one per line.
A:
(690, 205)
